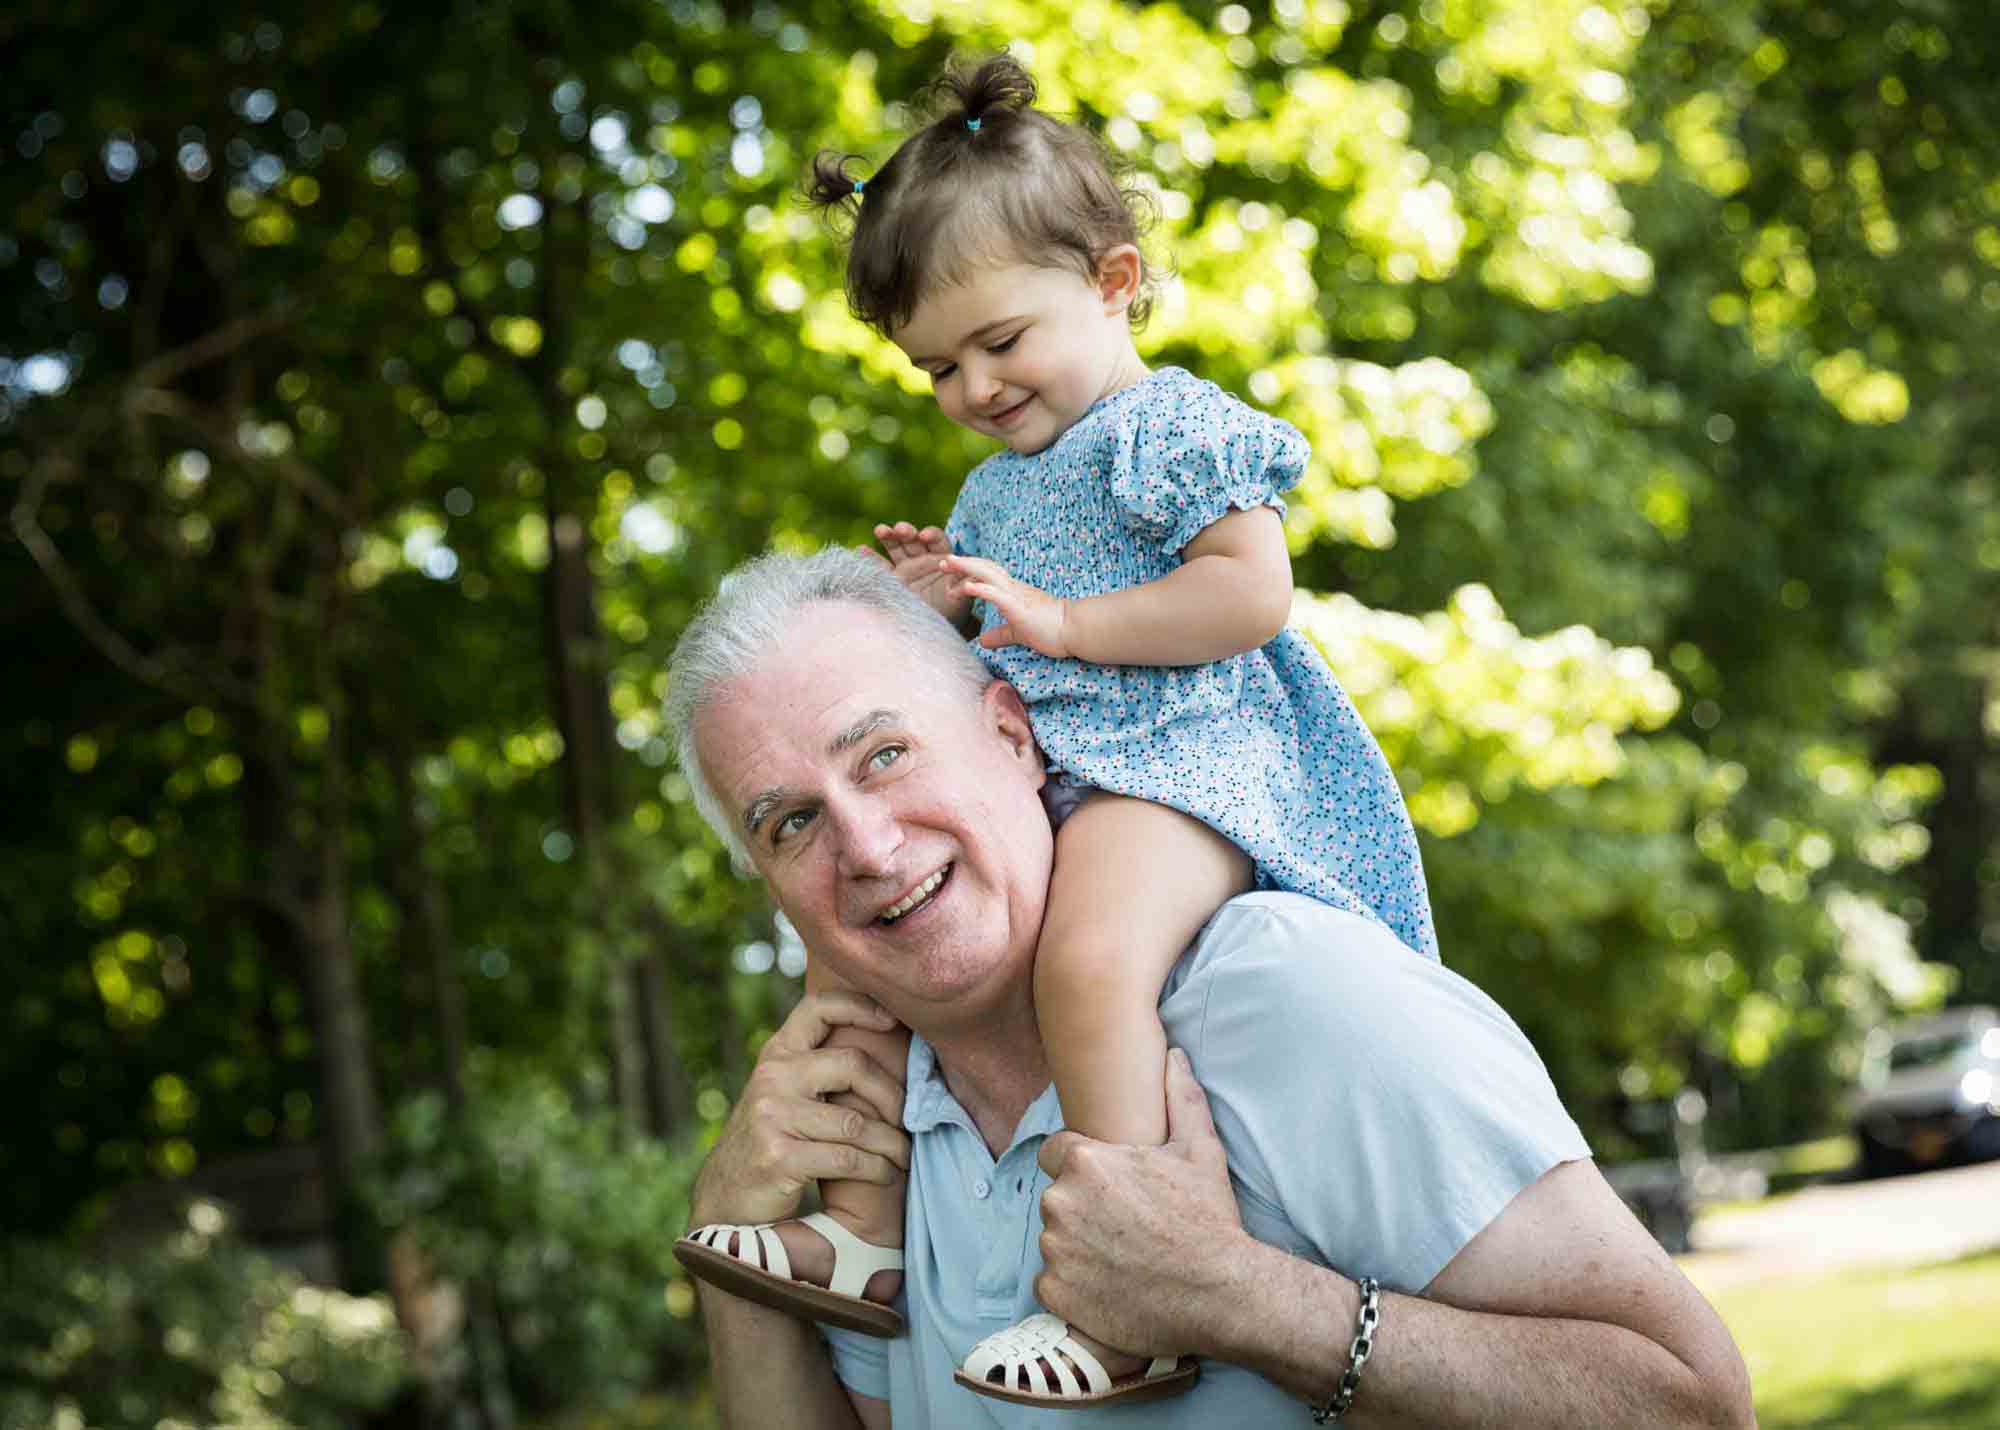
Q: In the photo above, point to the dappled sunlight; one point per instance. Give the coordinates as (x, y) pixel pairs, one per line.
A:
(384, 389)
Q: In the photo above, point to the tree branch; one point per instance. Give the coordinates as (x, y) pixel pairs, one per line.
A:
(173, 677)
(161, 370)
(158, 402)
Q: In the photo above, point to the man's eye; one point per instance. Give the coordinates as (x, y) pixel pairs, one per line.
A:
(790, 824)
(885, 757)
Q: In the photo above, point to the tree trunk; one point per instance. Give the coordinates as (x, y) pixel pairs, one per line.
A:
(581, 691)
(667, 1101)
(426, 937)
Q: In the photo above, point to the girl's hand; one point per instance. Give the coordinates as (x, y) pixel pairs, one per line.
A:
(1032, 618)
(913, 557)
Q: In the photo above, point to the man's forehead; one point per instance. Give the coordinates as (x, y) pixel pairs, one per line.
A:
(839, 675)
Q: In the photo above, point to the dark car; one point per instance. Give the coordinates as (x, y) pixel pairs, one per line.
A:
(1930, 1092)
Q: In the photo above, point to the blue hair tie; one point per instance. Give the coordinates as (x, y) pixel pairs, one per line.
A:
(973, 125)
(859, 185)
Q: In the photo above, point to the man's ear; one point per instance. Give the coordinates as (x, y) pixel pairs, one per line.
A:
(1119, 274)
(1009, 714)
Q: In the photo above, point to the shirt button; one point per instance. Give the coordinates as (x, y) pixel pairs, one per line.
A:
(982, 1190)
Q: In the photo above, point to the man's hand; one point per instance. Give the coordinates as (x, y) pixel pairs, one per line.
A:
(914, 557)
(782, 1133)
(1031, 617)
(1138, 1241)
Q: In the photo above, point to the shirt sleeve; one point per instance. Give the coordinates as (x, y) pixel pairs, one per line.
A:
(1378, 1110)
(861, 1362)
(1190, 460)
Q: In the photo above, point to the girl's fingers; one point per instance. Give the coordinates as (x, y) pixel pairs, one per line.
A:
(976, 567)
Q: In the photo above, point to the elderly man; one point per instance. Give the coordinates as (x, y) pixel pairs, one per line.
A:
(1379, 1149)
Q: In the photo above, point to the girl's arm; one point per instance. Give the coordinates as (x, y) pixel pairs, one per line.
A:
(1230, 594)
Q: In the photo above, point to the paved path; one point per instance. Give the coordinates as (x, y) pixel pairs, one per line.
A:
(1897, 1221)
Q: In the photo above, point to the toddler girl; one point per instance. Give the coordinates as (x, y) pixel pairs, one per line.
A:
(1127, 566)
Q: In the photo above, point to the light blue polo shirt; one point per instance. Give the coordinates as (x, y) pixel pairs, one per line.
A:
(1378, 1111)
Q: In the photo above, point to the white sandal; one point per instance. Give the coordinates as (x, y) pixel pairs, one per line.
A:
(718, 1254)
(1028, 1350)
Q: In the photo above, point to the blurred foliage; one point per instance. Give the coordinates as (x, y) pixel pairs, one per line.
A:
(532, 1206)
(185, 1329)
(354, 354)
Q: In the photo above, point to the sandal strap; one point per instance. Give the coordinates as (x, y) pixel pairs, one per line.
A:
(771, 1251)
(1042, 1339)
(854, 1260)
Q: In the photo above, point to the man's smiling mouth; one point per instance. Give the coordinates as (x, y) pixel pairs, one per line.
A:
(916, 898)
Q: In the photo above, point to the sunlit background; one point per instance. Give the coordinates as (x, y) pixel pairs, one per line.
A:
(381, 387)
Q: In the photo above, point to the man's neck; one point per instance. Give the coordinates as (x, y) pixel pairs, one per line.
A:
(995, 1074)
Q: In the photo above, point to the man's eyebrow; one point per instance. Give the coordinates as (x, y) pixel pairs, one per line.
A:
(861, 729)
(759, 809)
(765, 801)
(976, 335)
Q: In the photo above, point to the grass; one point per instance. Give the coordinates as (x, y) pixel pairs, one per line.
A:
(1911, 1349)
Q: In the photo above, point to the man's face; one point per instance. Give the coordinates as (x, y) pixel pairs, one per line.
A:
(894, 816)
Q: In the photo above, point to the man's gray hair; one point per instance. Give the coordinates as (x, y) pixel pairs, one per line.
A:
(756, 605)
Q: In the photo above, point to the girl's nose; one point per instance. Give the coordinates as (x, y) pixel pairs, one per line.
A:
(982, 384)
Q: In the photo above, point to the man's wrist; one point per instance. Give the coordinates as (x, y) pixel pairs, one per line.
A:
(1233, 1321)
(1291, 1320)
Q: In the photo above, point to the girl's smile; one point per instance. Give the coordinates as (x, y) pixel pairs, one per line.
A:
(1019, 352)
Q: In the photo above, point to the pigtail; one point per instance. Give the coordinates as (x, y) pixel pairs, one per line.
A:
(831, 185)
(970, 98)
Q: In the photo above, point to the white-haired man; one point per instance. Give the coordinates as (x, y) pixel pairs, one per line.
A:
(1378, 1146)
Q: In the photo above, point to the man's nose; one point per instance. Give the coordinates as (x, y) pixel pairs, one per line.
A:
(870, 836)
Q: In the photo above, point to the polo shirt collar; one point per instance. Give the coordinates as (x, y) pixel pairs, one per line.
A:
(928, 1103)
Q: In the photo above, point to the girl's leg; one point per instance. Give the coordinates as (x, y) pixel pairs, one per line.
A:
(871, 1211)
(1134, 882)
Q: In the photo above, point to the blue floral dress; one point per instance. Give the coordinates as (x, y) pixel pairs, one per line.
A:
(1265, 746)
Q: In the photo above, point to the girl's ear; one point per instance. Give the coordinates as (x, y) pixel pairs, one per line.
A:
(1119, 273)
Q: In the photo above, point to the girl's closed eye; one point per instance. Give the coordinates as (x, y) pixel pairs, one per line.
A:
(1005, 343)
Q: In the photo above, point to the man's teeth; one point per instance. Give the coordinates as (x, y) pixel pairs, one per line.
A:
(914, 897)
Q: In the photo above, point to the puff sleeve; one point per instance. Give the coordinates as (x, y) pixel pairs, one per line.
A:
(1185, 463)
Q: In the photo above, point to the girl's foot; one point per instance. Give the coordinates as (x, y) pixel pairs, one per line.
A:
(813, 1256)
(838, 1278)
(1043, 1361)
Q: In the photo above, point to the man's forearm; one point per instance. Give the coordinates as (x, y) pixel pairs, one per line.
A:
(1436, 1365)
(768, 1368)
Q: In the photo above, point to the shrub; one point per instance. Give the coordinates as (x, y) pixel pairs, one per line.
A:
(190, 1329)
(541, 1211)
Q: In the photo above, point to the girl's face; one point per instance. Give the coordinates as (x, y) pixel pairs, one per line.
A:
(1019, 352)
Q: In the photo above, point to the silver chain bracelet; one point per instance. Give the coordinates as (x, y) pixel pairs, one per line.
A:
(1357, 1355)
